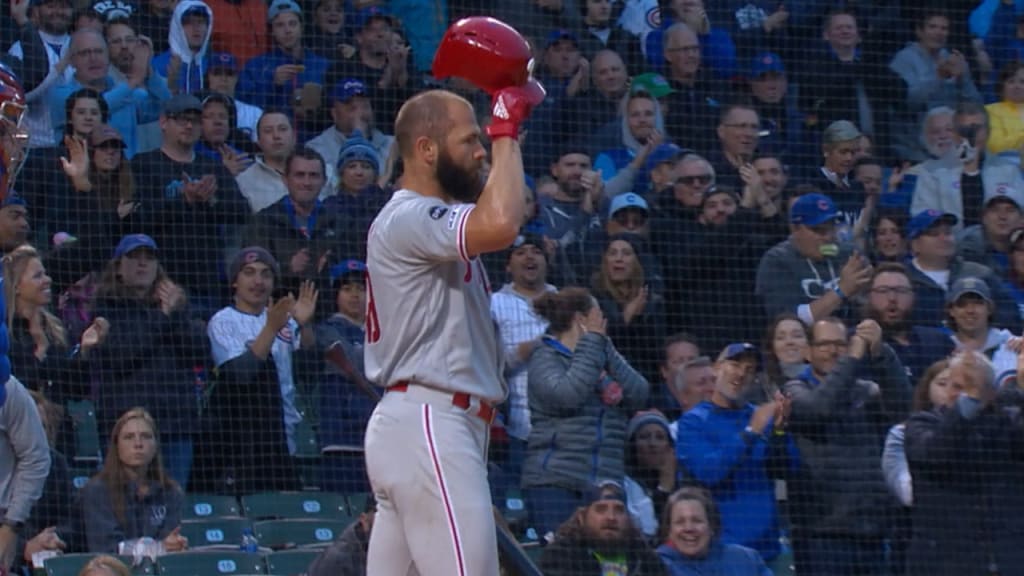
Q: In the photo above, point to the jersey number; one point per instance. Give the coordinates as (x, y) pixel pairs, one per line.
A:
(372, 321)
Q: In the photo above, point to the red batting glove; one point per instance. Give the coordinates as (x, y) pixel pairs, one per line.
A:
(510, 108)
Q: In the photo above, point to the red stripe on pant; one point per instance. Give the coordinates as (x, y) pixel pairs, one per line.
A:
(445, 498)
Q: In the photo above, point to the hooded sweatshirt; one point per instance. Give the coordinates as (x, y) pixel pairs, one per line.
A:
(789, 282)
(193, 64)
(611, 161)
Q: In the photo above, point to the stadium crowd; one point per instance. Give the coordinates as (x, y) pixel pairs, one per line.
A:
(763, 316)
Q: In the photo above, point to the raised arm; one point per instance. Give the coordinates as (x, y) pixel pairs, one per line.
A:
(495, 221)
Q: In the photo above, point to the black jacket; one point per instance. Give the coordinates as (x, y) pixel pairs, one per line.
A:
(968, 511)
(149, 359)
(839, 425)
(575, 557)
(272, 228)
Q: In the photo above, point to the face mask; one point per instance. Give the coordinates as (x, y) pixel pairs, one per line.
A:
(829, 250)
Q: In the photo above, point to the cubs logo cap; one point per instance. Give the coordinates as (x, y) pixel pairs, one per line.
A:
(250, 255)
(628, 200)
(813, 209)
(925, 219)
(764, 63)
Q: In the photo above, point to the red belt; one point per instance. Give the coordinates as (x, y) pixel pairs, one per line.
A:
(459, 399)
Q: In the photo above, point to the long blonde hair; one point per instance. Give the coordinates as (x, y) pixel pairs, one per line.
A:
(15, 262)
(114, 475)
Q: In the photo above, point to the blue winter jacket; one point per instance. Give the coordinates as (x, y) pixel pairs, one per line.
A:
(736, 472)
(256, 86)
(721, 560)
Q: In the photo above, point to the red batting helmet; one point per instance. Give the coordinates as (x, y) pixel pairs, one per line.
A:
(12, 96)
(487, 52)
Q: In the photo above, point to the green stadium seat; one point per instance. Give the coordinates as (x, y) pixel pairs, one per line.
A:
(210, 563)
(87, 432)
(357, 502)
(278, 534)
(204, 506)
(215, 532)
(285, 505)
(290, 562)
(72, 564)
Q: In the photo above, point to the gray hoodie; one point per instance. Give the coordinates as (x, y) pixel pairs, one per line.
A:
(788, 282)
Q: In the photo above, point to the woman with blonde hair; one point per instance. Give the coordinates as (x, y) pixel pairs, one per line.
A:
(132, 496)
(43, 355)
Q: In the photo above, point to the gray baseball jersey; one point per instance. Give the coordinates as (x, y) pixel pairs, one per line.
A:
(428, 304)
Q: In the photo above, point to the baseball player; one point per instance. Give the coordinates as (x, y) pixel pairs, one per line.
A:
(430, 339)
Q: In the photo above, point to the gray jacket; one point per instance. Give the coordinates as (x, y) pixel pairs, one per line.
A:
(938, 184)
(924, 90)
(24, 453)
(577, 438)
(155, 515)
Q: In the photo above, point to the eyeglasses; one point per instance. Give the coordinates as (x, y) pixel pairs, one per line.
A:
(833, 344)
(699, 179)
(888, 291)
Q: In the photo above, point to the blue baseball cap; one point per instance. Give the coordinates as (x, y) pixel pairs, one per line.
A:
(663, 153)
(925, 219)
(222, 60)
(367, 15)
(560, 34)
(133, 242)
(813, 209)
(766, 62)
(628, 200)
(277, 7)
(737, 349)
(350, 266)
(348, 89)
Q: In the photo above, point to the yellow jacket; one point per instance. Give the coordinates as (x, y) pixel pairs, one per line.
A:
(1007, 127)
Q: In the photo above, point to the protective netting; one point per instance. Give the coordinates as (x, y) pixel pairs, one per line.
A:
(800, 223)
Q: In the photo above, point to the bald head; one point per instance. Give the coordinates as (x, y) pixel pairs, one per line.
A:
(679, 34)
(426, 115)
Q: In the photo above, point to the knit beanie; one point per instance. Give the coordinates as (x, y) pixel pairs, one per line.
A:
(250, 255)
(358, 148)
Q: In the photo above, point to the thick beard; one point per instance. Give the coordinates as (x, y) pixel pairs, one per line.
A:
(461, 184)
(900, 326)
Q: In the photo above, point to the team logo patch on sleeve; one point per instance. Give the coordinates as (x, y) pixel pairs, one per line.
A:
(438, 212)
(453, 218)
